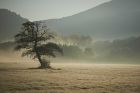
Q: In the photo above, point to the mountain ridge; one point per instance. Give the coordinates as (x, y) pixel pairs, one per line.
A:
(114, 19)
(10, 24)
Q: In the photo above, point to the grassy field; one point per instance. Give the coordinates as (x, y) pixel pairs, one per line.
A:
(69, 78)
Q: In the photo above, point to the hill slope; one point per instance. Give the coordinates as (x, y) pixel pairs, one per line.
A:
(10, 24)
(111, 20)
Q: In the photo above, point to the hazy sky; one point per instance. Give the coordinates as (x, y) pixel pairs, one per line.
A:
(48, 9)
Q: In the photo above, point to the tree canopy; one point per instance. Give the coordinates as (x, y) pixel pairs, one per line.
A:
(37, 41)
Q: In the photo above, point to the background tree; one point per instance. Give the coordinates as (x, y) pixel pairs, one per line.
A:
(36, 41)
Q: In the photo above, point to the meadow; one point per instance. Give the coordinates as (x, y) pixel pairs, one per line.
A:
(70, 77)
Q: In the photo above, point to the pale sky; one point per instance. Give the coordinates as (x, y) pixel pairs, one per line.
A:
(48, 9)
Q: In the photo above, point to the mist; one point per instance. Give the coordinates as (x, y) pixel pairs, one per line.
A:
(85, 48)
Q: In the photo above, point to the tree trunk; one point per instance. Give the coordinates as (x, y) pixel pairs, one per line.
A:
(45, 64)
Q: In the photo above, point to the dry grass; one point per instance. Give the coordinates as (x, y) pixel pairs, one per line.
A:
(71, 78)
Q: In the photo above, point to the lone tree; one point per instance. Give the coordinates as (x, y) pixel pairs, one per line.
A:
(35, 40)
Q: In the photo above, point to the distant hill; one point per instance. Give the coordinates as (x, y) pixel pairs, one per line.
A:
(111, 20)
(10, 24)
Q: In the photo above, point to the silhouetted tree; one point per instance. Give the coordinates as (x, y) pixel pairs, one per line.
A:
(36, 41)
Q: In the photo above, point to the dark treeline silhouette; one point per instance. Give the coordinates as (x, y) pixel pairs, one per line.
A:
(118, 50)
(123, 50)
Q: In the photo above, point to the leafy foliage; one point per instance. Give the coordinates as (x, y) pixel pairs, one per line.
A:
(36, 39)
